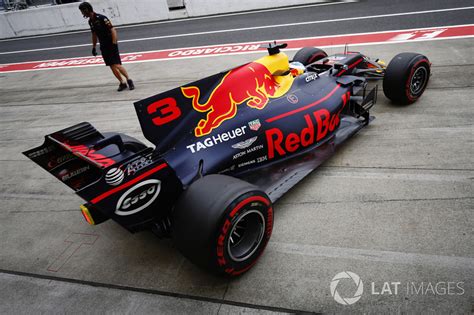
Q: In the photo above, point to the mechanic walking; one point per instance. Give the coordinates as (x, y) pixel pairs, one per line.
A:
(102, 29)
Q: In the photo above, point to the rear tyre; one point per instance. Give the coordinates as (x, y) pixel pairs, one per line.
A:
(406, 77)
(308, 55)
(222, 224)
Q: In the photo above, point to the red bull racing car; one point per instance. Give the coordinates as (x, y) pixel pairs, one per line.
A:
(226, 147)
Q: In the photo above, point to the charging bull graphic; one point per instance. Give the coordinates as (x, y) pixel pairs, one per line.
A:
(252, 83)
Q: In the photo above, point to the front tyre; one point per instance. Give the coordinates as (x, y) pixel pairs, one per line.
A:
(308, 55)
(406, 77)
(222, 224)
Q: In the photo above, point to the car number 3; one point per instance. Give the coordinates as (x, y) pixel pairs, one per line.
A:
(164, 111)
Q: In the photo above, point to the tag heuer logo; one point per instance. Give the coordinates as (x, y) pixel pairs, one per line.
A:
(255, 124)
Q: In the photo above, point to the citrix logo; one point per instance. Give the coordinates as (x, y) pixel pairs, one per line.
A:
(346, 300)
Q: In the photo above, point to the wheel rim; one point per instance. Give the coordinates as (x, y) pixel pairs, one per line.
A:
(246, 235)
(418, 81)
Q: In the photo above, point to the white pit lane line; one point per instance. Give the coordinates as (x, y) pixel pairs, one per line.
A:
(250, 28)
(190, 19)
(358, 39)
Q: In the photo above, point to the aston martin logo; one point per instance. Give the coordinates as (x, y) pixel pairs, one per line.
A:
(244, 144)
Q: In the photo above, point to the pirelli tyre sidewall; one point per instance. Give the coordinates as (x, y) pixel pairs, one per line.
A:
(406, 77)
(308, 55)
(222, 224)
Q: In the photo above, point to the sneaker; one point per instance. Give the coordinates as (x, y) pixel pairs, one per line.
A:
(131, 86)
(122, 87)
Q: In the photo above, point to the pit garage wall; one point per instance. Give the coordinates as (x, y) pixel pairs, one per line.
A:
(66, 17)
(209, 7)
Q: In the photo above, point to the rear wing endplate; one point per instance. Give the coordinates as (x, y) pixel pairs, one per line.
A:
(73, 155)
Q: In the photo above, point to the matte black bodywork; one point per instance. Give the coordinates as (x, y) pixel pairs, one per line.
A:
(264, 136)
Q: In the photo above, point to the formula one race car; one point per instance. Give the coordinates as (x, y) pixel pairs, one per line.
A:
(226, 148)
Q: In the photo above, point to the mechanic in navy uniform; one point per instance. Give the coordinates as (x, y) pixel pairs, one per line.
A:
(103, 30)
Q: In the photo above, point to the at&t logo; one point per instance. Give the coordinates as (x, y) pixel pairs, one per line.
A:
(350, 276)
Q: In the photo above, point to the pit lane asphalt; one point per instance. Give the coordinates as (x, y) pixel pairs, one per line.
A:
(250, 21)
(393, 205)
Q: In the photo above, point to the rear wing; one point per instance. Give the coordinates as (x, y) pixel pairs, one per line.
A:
(76, 155)
(119, 177)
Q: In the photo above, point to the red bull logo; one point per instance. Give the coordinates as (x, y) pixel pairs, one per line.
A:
(318, 125)
(252, 84)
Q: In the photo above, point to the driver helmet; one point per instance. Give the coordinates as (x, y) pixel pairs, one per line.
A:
(297, 68)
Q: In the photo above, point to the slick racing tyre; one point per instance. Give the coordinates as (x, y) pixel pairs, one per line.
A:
(222, 224)
(308, 55)
(406, 77)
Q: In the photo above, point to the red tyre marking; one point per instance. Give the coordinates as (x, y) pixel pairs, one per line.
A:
(269, 232)
(238, 272)
(269, 222)
(221, 261)
(250, 199)
(407, 85)
(315, 57)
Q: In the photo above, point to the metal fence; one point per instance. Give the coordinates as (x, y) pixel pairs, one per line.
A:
(12, 5)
